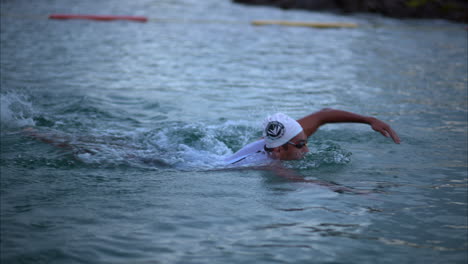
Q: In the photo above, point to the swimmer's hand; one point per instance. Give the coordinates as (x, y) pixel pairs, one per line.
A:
(384, 129)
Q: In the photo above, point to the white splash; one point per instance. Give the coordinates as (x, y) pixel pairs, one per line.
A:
(16, 111)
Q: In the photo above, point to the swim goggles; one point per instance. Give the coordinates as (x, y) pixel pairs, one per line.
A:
(299, 145)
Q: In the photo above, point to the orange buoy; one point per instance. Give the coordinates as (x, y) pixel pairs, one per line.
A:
(99, 17)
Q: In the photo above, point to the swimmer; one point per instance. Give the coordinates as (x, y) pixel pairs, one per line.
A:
(283, 139)
(286, 139)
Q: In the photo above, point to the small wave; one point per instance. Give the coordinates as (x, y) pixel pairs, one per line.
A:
(325, 153)
(173, 145)
(16, 111)
(195, 146)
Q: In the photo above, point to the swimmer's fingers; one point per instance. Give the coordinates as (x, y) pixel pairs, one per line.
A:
(394, 135)
(385, 130)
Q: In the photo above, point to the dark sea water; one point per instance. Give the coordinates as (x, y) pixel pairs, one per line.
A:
(140, 116)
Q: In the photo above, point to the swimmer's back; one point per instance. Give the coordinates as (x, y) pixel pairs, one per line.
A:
(252, 154)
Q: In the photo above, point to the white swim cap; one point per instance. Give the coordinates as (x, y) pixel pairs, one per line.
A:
(279, 129)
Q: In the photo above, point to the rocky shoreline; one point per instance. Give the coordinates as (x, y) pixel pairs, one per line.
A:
(454, 10)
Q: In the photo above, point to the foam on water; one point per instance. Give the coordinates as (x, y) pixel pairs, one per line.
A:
(169, 145)
(322, 154)
(16, 111)
(110, 140)
(172, 145)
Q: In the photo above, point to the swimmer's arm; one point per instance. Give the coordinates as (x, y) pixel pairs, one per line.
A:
(56, 140)
(312, 122)
(293, 176)
(46, 138)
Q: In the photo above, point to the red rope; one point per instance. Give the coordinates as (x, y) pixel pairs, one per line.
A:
(99, 17)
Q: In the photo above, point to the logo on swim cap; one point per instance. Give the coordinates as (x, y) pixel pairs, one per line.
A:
(274, 130)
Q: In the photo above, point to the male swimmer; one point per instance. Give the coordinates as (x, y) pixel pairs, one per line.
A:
(286, 139)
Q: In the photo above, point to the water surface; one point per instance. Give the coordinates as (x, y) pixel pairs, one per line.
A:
(151, 108)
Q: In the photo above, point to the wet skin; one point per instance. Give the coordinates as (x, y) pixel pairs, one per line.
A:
(291, 152)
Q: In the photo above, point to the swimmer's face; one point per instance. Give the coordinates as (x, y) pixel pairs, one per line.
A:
(291, 152)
